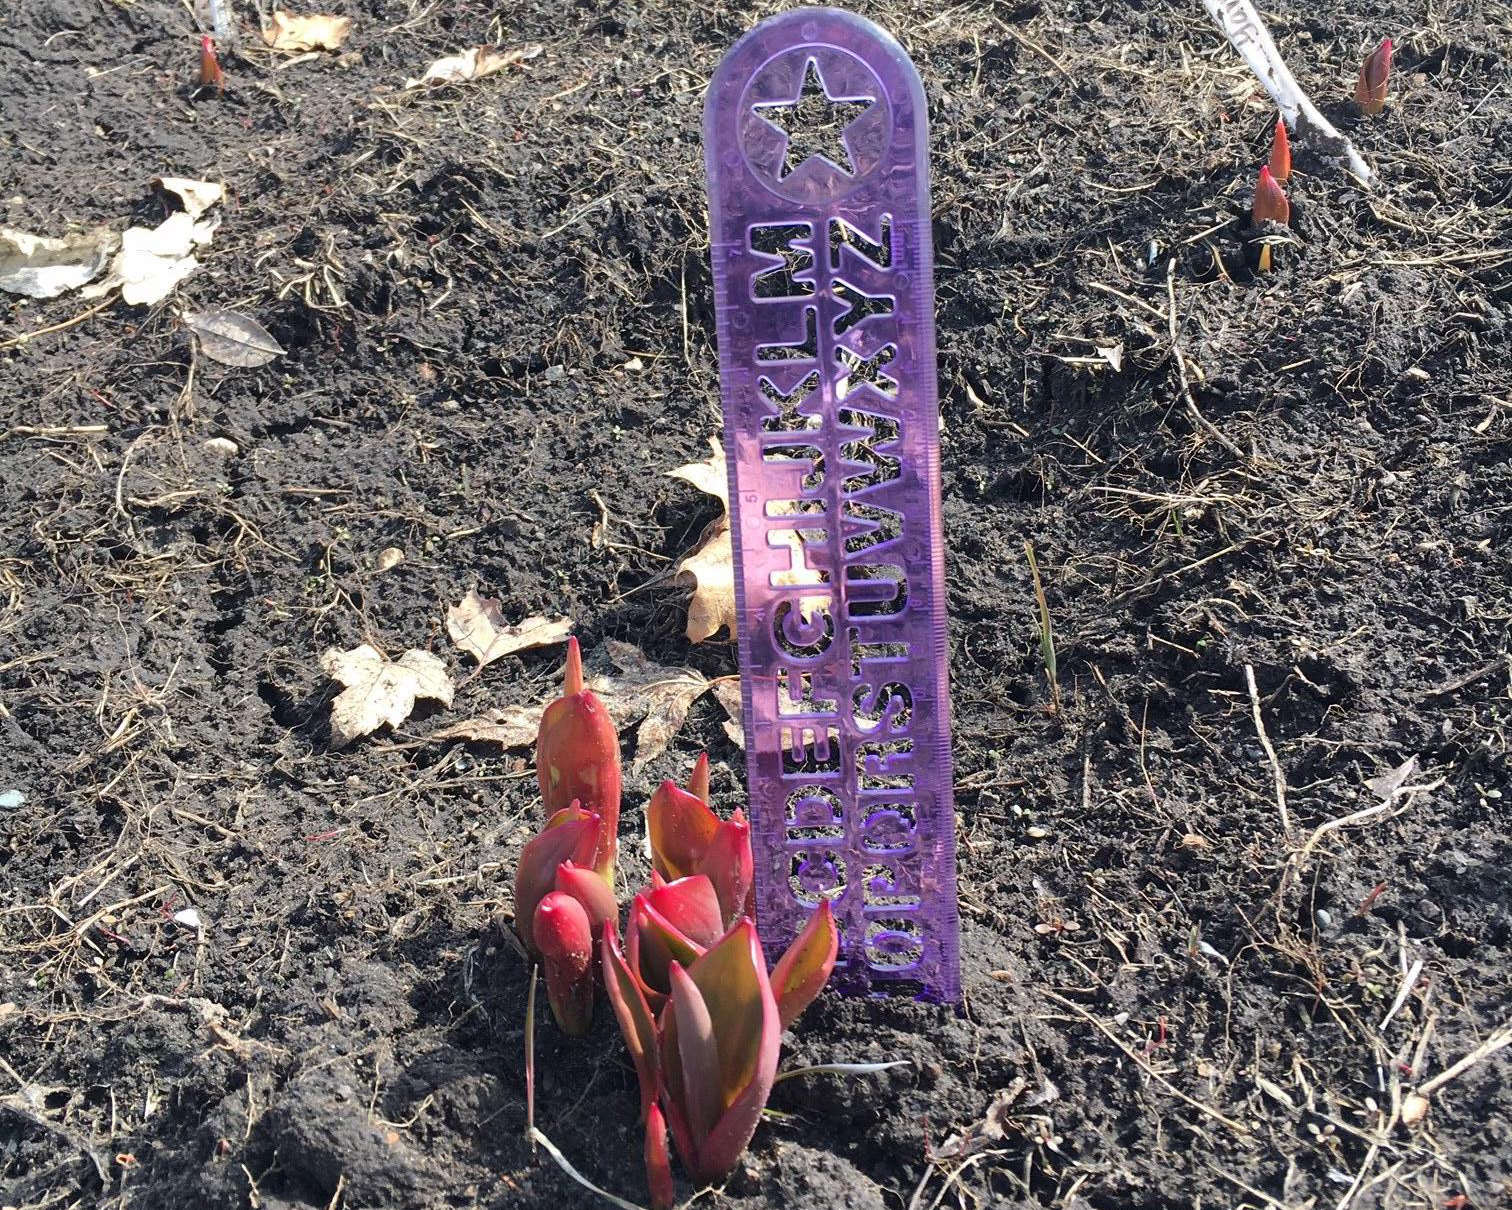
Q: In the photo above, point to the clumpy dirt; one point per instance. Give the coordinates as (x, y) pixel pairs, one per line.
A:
(495, 301)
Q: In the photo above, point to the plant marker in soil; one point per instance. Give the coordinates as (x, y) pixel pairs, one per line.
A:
(815, 140)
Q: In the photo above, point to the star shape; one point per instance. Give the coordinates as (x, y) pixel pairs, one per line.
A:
(814, 123)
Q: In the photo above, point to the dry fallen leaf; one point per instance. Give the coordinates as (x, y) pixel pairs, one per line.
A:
(153, 260)
(195, 196)
(727, 690)
(472, 64)
(317, 31)
(710, 568)
(655, 696)
(40, 267)
(509, 726)
(232, 338)
(380, 691)
(477, 626)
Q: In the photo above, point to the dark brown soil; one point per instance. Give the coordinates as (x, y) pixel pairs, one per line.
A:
(460, 280)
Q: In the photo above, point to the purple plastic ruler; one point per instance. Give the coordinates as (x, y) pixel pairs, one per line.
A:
(816, 141)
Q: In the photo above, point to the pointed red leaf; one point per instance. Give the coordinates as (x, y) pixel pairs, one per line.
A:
(1270, 204)
(569, 835)
(681, 826)
(577, 758)
(698, 780)
(803, 971)
(727, 864)
(697, 1053)
(1375, 72)
(634, 1015)
(590, 890)
(691, 906)
(1280, 156)
(658, 1162)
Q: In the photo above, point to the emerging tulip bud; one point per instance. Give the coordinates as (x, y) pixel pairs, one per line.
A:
(571, 836)
(673, 922)
(688, 838)
(577, 759)
(1280, 156)
(658, 1162)
(720, 1036)
(1370, 88)
(1270, 204)
(591, 891)
(564, 937)
(210, 73)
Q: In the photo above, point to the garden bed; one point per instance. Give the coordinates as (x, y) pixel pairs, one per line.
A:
(496, 310)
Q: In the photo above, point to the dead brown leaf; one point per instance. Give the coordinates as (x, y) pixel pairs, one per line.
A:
(316, 31)
(507, 726)
(379, 690)
(472, 64)
(654, 698)
(476, 624)
(710, 568)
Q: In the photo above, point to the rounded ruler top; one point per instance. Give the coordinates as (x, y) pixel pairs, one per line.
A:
(816, 142)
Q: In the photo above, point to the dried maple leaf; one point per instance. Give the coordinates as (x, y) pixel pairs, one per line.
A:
(476, 624)
(379, 690)
(317, 31)
(710, 569)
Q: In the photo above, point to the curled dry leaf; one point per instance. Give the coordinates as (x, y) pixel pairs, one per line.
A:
(40, 267)
(476, 624)
(379, 690)
(232, 338)
(710, 568)
(195, 196)
(153, 260)
(472, 64)
(317, 31)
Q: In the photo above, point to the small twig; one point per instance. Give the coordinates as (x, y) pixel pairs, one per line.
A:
(1409, 981)
(562, 1162)
(1237, 1127)
(530, 1016)
(841, 1069)
(67, 323)
(1270, 752)
(1500, 1040)
(1193, 411)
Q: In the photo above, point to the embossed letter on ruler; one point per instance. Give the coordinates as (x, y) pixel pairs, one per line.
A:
(815, 136)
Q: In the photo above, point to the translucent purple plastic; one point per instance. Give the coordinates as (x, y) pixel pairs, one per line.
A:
(815, 137)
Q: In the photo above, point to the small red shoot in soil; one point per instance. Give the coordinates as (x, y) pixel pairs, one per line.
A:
(1369, 901)
(564, 935)
(578, 759)
(1458, 1202)
(1270, 204)
(658, 1162)
(1370, 88)
(688, 838)
(1280, 156)
(210, 73)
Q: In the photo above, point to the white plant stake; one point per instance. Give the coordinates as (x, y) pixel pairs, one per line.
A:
(1247, 34)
